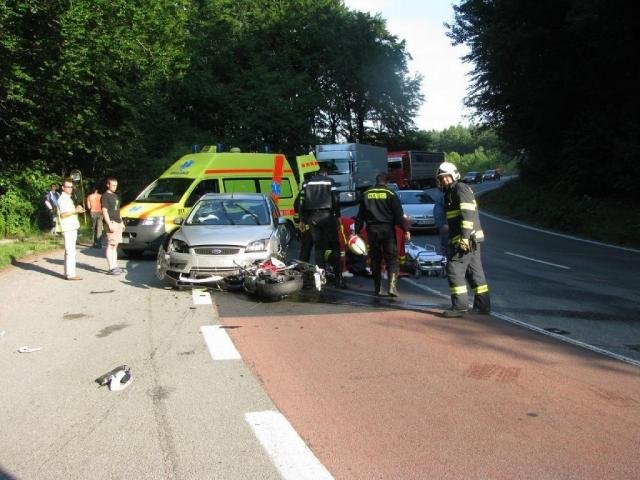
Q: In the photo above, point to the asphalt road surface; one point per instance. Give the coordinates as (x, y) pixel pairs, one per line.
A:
(336, 384)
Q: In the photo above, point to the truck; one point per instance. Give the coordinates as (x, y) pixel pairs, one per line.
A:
(413, 168)
(353, 167)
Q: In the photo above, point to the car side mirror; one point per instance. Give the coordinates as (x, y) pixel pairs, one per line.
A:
(178, 220)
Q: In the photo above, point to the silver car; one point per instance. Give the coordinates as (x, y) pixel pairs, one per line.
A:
(418, 208)
(224, 233)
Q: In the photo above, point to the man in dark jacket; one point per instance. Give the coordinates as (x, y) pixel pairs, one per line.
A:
(380, 210)
(465, 236)
(320, 209)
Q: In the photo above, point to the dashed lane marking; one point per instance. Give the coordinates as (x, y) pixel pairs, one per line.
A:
(536, 260)
(288, 452)
(201, 297)
(219, 344)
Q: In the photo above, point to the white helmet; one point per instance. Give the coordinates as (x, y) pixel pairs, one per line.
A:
(448, 168)
(357, 245)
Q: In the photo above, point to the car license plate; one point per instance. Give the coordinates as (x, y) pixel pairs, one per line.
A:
(423, 222)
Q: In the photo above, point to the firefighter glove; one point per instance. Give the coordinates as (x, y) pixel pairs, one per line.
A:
(464, 246)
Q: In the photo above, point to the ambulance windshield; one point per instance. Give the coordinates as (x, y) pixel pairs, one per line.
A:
(165, 190)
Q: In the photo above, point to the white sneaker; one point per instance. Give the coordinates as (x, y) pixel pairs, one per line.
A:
(347, 274)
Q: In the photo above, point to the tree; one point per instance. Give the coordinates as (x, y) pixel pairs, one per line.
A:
(538, 79)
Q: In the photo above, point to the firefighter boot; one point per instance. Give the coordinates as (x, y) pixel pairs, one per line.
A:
(377, 283)
(393, 284)
(340, 283)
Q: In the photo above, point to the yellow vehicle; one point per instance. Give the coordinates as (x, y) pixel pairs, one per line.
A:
(151, 216)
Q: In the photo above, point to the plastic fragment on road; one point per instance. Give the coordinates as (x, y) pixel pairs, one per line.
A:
(118, 379)
(28, 349)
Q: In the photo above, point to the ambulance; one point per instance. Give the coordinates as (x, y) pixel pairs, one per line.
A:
(151, 217)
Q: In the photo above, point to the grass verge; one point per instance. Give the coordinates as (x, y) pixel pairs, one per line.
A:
(23, 247)
(606, 220)
(17, 248)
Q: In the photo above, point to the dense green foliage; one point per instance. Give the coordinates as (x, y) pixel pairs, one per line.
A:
(112, 86)
(558, 80)
(473, 148)
(115, 87)
(22, 198)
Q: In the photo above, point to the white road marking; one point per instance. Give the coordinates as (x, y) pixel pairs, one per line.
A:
(288, 452)
(534, 328)
(536, 260)
(563, 338)
(424, 287)
(219, 344)
(562, 235)
(201, 297)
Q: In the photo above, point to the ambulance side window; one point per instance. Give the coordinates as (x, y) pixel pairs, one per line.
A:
(243, 185)
(205, 186)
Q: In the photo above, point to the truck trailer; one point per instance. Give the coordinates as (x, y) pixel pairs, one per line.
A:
(353, 167)
(414, 169)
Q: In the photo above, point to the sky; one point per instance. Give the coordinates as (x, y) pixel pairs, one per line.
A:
(445, 80)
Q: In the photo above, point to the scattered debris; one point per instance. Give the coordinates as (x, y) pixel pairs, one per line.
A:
(101, 291)
(118, 379)
(2, 333)
(28, 349)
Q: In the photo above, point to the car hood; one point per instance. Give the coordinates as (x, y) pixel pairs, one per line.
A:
(238, 235)
(419, 209)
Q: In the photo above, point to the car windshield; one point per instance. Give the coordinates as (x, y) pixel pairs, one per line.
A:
(165, 190)
(471, 174)
(408, 198)
(229, 211)
(489, 172)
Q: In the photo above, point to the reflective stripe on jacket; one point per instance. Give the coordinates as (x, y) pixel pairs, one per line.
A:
(462, 215)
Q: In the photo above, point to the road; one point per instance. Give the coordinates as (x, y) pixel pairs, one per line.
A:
(585, 291)
(330, 385)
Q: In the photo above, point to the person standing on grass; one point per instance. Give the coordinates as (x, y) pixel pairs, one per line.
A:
(95, 208)
(112, 224)
(69, 225)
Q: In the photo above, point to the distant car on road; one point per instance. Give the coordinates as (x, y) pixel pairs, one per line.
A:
(491, 175)
(418, 208)
(472, 177)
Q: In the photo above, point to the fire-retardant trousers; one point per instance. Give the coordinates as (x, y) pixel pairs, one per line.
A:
(324, 231)
(382, 245)
(463, 268)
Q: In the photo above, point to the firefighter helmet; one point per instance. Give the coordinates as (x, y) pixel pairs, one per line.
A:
(357, 245)
(448, 168)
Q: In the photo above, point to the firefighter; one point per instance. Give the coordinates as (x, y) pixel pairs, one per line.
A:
(381, 211)
(306, 242)
(320, 209)
(465, 236)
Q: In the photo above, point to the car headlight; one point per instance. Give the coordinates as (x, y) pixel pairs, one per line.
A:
(179, 246)
(152, 221)
(258, 246)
